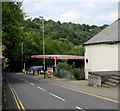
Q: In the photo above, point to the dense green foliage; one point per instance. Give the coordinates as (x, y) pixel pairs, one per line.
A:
(12, 20)
(60, 38)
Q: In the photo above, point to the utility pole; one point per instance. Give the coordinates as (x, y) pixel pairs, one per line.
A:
(22, 55)
(43, 44)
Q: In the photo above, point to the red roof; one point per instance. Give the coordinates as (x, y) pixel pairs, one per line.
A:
(58, 57)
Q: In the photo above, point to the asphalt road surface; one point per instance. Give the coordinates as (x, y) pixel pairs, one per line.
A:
(37, 94)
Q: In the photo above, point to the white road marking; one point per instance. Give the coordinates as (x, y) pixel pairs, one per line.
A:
(57, 97)
(86, 108)
(41, 88)
(26, 81)
(79, 108)
(32, 84)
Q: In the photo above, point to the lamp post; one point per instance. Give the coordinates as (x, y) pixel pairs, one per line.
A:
(43, 44)
(22, 55)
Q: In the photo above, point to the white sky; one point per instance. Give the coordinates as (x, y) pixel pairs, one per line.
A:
(92, 12)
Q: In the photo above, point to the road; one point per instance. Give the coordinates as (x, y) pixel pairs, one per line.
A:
(38, 94)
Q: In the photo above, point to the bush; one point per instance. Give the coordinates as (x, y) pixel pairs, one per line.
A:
(82, 76)
(76, 73)
(62, 65)
(68, 71)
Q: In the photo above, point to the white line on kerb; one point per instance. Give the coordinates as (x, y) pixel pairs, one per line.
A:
(57, 97)
(41, 88)
(32, 84)
(79, 108)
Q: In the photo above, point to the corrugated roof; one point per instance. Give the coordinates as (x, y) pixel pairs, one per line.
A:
(108, 35)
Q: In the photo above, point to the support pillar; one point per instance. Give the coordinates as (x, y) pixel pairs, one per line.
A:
(55, 62)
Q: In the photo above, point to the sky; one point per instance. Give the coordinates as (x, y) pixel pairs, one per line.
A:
(92, 12)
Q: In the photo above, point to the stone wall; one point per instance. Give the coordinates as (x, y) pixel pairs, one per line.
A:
(99, 78)
(94, 80)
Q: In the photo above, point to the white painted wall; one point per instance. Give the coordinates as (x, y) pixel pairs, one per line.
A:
(101, 57)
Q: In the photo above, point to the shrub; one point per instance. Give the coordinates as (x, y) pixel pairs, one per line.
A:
(68, 71)
(76, 73)
(62, 65)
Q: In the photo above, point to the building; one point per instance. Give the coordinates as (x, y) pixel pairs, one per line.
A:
(79, 62)
(101, 51)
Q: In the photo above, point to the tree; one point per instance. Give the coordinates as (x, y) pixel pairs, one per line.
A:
(12, 19)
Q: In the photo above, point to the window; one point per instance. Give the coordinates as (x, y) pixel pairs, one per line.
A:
(86, 60)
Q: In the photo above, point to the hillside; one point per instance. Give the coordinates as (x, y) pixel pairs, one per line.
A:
(77, 34)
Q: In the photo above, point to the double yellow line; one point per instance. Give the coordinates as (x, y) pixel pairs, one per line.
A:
(18, 102)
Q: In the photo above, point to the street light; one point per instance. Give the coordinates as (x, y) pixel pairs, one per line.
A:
(43, 44)
(22, 55)
(22, 59)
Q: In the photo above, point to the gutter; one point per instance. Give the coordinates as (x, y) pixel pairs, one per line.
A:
(108, 42)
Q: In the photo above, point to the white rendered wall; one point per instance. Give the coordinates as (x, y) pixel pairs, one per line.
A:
(101, 57)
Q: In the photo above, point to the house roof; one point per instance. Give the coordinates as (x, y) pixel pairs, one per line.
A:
(107, 36)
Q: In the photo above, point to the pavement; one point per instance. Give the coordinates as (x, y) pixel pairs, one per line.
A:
(82, 85)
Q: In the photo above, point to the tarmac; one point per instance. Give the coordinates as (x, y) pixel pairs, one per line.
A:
(82, 85)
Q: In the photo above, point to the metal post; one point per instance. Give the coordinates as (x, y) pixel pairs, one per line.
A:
(22, 56)
(43, 45)
(55, 62)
